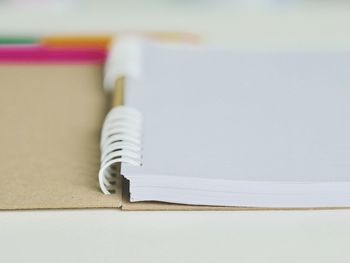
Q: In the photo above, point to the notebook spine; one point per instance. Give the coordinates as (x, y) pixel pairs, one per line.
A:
(121, 142)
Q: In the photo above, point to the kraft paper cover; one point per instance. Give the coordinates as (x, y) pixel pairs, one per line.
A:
(51, 117)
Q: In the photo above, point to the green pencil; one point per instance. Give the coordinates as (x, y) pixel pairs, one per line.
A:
(14, 40)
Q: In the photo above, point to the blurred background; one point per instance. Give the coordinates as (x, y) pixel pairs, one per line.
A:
(240, 24)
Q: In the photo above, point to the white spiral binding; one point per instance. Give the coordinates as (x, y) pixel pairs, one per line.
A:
(120, 143)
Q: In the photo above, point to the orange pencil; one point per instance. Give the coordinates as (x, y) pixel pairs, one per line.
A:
(103, 41)
(98, 41)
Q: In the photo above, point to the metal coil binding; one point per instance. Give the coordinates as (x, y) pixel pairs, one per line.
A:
(120, 143)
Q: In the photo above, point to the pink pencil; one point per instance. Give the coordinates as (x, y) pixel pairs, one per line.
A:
(39, 54)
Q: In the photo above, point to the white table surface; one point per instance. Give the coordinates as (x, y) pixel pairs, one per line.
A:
(115, 236)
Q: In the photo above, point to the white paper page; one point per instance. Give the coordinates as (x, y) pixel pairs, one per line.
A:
(244, 116)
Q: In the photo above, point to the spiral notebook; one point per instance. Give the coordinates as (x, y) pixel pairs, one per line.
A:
(215, 129)
(237, 129)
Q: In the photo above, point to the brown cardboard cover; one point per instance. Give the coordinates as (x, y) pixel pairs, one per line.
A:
(50, 120)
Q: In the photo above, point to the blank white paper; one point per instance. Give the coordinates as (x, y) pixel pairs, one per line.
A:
(277, 117)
